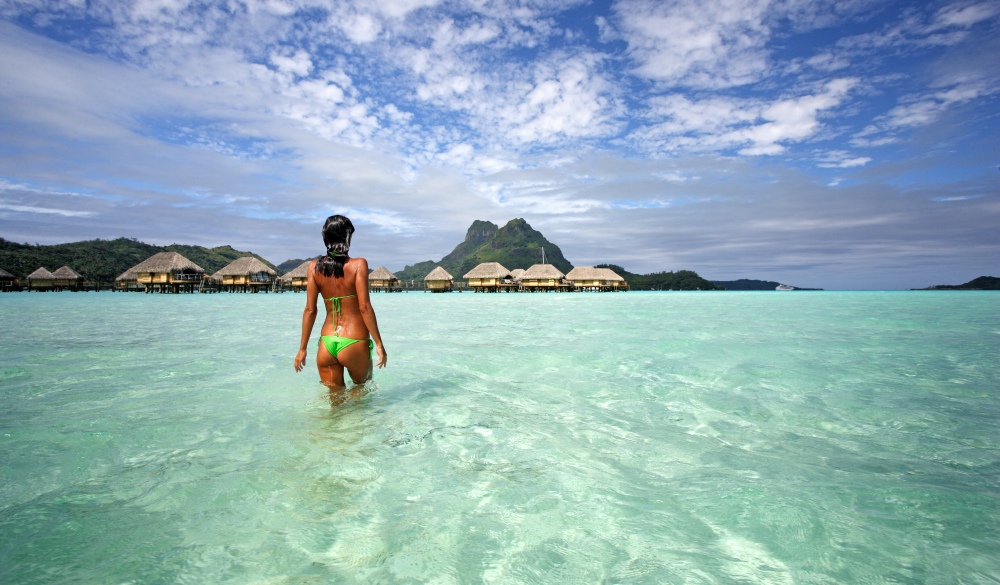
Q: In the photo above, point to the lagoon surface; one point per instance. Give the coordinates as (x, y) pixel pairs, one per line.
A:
(760, 437)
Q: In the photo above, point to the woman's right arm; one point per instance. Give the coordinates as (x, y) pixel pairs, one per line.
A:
(368, 312)
(308, 317)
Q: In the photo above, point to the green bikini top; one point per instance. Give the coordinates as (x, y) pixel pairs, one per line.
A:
(336, 303)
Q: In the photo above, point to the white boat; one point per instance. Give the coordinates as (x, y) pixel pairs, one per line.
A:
(784, 287)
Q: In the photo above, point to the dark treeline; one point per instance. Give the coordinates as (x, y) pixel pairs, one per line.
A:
(680, 280)
(981, 283)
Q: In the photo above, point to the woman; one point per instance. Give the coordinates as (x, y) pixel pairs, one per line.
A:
(350, 319)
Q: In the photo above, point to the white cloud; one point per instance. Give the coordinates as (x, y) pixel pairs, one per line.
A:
(827, 62)
(298, 64)
(966, 16)
(950, 26)
(401, 8)
(754, 127)
(791, 120)
(566, 100)
(700, 43)
(156, 9)
(397, 115)
(45, 210)
(450, 36)
(358, 27)
(820, 223)
(840, 159)
(709, 116)
(918, 111)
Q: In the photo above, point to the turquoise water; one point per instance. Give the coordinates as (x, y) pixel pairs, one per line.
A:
(575, 438)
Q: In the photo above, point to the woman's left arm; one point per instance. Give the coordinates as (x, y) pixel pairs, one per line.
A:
(367, 312)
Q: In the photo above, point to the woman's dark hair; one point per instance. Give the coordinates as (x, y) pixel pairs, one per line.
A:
(337, 233)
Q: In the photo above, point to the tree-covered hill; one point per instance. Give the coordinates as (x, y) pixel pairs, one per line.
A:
(101, 261)
(417, 272)
(981, 283)
(747, 284)
(680, 280)
(289, 265)
(750, 284)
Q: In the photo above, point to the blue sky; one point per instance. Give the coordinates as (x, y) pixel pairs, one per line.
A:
(835, 144)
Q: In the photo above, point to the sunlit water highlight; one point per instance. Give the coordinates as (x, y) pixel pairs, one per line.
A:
(618, 438)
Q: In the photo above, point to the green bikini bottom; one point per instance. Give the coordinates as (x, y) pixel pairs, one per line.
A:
(335, 344)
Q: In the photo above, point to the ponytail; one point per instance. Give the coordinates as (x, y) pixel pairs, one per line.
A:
(337, 232)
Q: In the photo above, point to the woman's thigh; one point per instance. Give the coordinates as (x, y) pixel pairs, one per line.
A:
(331, 372)
(358, 361)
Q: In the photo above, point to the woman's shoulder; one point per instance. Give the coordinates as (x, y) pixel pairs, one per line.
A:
(359, 262)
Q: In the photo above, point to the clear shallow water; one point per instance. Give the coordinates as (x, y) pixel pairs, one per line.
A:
(630, 438)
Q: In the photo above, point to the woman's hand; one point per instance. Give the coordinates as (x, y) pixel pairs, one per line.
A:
(380, 352)
(300, 360)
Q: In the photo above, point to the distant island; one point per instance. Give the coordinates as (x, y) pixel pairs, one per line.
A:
(515, 245)
(518, 245)
(981, 283)
(749, 284)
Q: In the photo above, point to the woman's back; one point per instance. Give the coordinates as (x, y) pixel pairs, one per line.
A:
(340, 295)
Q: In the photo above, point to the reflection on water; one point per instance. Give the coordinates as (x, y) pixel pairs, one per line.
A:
(724, 438)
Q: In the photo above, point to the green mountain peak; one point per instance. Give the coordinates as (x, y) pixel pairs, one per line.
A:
(515, 245)
(480, 231)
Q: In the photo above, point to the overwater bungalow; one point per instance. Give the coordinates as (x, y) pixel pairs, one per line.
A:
(516, 275)
(543, 277)
(586, 278)
(439, 280)
(297, 278)
(489, 277)
(613, 280)
(127, 281)
(246, 274)
(8, 282)
(381, 280)
(66, 277)
(168, 272)
(41, 279)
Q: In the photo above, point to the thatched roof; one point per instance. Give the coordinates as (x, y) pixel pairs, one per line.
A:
(517, 273)
(488, 270)
(608, 274)
(585, 273)
(244, 266)
(439, 274)
(300, 271)
(166, 262)
(41, 274)
(382, 273)
(67, 273)
(5, 275)
(541, 271)
(127, 276)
